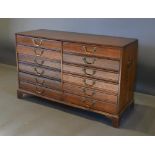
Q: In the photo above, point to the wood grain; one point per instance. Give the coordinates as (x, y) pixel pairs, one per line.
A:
(28, 41)
(89, 92)
(39, 70)
(90, 103)
(93, 50)
(89, 82)
(128, 73)
(94, 62)
(44, 53)
(39, 61)
(91, 72)
(41, 91)
(79, 37)
(36, 80)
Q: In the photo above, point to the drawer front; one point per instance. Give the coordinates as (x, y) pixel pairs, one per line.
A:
(90, 103)
(37, 52)
(40, 91)
(92, 93)
(39, 61)
(39, 81)
(39, 71)
(91, 72)
(38, 42)
(93, 83)
(91, 61)
(93, 50)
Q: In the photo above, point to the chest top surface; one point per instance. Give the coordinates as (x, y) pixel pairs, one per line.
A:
(79, 37)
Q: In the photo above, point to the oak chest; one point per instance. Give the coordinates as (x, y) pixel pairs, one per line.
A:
(91, 72)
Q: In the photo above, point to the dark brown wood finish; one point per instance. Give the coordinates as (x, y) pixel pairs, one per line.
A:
(90, 103)
(90, 93)
(89, 82)
(39, 71)
(93, 50)
(91, 72)
(40, 81)
(40, 90)
(39, 61)
(39, 52)
(38, 42)
(128, 71)
(91, 61)
(79, 37)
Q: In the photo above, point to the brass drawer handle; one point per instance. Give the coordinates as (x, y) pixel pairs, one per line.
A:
(37, 53)
(41, 62)
(85, 82)
(39, 83)
(40, 92)
(37, 42)
(39, 73)
(88, 62)
(89, 74)
(89, 52)
(85, 92)
(84, 99)
(130, 62)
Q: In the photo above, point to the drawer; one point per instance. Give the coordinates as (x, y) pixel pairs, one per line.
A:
(91, 83)
(91, 72)
(40, 91)
(38, 42)
(92, 93)
(91, 61)
(37, 52)
(39, 61)
(90, 104)
(39, 81)
(39, 71)
(94, 50)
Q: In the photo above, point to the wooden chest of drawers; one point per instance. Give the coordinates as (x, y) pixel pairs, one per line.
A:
(90, 72)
